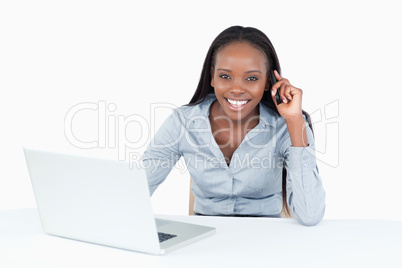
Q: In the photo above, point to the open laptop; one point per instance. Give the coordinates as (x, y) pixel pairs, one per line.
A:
(103, 202)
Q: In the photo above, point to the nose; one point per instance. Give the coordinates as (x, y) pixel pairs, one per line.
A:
(237, 87)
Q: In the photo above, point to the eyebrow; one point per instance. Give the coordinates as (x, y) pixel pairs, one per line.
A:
(227, 70)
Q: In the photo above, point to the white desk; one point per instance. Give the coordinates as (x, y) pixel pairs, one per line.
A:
(239, 242)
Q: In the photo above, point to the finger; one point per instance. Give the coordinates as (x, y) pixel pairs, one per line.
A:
(277, 75)
(287, 94)
(282, 93)
(275, 98)
(273, 90)
(273, 93)
(280, 79)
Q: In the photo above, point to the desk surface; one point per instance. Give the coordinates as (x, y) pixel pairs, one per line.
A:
(239, 242)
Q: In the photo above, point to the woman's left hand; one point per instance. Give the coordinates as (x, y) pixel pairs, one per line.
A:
(290, 95)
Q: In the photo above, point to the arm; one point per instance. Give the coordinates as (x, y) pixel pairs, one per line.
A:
(305, 193)
(297, 131)
(163, 151)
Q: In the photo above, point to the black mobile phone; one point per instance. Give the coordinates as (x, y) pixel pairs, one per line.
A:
(273, 81)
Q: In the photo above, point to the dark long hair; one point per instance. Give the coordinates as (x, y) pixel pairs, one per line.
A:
(260, 41)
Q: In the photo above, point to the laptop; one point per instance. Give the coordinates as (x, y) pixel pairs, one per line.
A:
(103, 202)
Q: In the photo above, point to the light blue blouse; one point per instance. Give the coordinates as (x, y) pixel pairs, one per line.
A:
(252, 183)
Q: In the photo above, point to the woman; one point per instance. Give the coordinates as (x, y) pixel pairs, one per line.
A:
(247, 154)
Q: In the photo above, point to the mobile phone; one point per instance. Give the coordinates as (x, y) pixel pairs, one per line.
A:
(273, 81)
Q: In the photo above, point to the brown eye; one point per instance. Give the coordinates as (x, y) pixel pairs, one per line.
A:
(252, 78)
(224, 76)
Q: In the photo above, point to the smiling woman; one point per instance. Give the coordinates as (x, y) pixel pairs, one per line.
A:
(233, 116)
(239, 79)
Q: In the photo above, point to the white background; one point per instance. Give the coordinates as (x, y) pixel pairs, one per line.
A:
(345, 56)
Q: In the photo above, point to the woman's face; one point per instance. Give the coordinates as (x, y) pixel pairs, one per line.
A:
(239, 78)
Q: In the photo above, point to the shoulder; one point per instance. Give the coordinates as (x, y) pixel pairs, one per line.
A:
(269, 116)
(273, 118)
(181, 117)
(194, 111)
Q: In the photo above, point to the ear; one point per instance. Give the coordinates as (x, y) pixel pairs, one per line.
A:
(267, 84)
(212, 76)
(267, 87)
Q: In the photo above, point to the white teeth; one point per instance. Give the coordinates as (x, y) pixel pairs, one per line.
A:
(237, 103)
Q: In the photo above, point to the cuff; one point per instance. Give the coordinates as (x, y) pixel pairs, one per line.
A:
(301, 159)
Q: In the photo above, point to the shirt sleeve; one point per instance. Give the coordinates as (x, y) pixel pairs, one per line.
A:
(305, 192)
(163, 151)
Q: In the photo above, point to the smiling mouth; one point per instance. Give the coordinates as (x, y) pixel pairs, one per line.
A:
(237, 103)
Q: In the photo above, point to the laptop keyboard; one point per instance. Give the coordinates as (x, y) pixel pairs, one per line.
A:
(165, 236)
